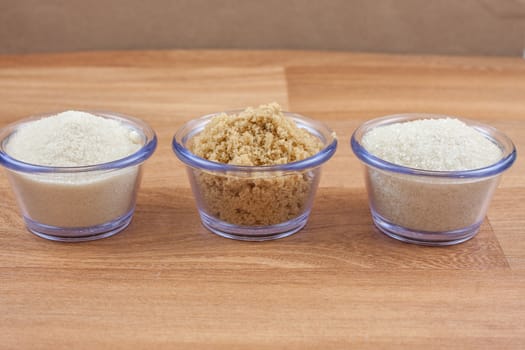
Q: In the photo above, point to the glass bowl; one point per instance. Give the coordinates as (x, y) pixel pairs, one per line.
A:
(430, 207)
(254, 203)
(81, 203)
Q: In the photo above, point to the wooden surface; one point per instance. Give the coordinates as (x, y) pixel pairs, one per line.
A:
(166, 282)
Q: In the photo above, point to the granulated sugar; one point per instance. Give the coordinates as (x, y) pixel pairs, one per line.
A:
(422, 203)
(432, 144)
(260, 136)
(72, 139)
(429, 204)
(76, 199)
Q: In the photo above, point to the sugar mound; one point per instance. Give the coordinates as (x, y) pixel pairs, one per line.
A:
(446, 144)
(73, 138)
(255, 137)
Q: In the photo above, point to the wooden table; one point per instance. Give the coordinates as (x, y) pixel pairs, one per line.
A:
(166, 282)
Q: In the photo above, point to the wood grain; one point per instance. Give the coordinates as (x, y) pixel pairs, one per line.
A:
(166, 282)
(145, 308)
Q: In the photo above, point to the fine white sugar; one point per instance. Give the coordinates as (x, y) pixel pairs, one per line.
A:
(446, 144)
(82, 199)
(73, 138)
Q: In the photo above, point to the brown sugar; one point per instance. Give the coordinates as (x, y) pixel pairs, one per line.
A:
(255, 137)
(260, 136)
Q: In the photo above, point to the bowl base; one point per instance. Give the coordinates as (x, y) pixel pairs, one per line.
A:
(79, 234)
(428, 238)
(254, 233)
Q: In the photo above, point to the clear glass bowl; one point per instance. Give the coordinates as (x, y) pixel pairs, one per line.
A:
(84, 203)
(254, 203)
(430, 207)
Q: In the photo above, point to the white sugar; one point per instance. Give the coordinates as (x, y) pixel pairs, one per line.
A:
(73, 138)
(425, 203)
(446, 144)
(77, 199)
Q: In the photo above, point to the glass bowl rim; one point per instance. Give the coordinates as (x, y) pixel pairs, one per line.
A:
(506, 145)
(135, 158)
(195, 126)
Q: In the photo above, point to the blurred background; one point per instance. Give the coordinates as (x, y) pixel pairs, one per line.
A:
(459, 27)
